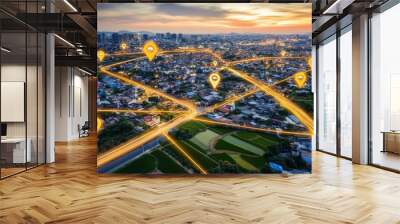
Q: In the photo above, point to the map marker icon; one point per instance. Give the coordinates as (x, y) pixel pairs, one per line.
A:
(101, 55)
(214, 79)
(150, 49)
(123, 46)
(300, 78)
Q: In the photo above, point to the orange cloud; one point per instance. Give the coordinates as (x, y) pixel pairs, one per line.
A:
(205, 18)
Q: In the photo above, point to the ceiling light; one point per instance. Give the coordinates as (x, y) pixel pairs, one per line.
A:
(84, 71)
(70, 5)
(337, 7)
(5, 50)
(64, 40)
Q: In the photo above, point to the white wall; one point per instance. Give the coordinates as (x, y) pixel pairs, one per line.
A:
(71, 102)
(33, 127)
(14, 73)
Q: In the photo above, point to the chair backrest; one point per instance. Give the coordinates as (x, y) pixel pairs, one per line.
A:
(86, 125)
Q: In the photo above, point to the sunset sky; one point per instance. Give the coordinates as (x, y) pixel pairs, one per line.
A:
(200, 18)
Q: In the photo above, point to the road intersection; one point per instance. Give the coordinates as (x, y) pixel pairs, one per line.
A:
(192, 112)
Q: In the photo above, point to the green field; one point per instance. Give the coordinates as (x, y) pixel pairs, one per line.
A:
(226, 146)
(244, 148)
(257, 139)
(258, 162)
(144, 164)
(243, 163)
(220, 129)
(243, 145)
(165, 164)
(204, 138)
(223, 157)
(153, 161)
(199, 155)
(193, 127)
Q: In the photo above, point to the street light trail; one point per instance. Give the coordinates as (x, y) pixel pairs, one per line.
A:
(282, 100)
(134, 143)
(184, 103)
(126, 54)
(184, 153)
(194, 50)
(138, 111)
(269, 130)
(105, 67)
(232, 99)
(166, 52)
(282, 81)
(264, 59)
(287, 79)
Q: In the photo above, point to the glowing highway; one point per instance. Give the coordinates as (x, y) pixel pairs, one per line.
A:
(106, 110)
(263, 59)
(192, 112)
(184, 153)
(279, 97)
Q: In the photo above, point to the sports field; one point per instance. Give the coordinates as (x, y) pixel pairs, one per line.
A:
(243, 145)
(204, 138)
(212, 145)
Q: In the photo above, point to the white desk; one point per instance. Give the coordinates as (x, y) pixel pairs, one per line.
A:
(18, 151)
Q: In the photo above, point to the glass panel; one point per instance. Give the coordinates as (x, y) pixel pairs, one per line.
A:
(385, 87)
(31, 99)
(41, 98)
(23, 87)
(327, 96)
(13, 86)
(32, 88)
(346, 94)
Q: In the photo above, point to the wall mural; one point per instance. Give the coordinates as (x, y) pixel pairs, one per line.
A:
(204, 88)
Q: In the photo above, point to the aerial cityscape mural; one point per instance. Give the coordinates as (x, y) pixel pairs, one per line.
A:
(204, 88)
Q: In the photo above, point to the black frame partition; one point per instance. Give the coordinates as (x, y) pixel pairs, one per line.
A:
(340, 75)
(25, 53)
(334, 36)
(328, 39)
(339, 29)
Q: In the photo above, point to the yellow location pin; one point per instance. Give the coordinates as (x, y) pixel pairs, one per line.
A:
(150, 49)
(123, 46)
(214, 63)
(101, 55)
(214, 79)
(99, 124)
(300, 78)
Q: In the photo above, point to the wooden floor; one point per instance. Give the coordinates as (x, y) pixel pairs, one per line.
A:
(386, 159)
(70, 191)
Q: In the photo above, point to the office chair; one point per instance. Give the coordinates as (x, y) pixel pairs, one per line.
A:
(84, 130)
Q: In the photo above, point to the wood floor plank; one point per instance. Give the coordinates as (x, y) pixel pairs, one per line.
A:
(70, 191)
